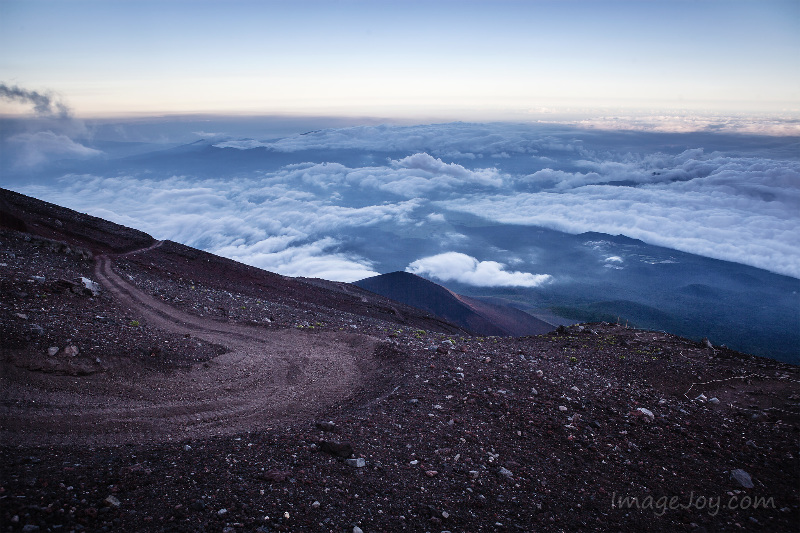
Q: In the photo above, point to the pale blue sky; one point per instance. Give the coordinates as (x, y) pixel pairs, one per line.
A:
(461, 59)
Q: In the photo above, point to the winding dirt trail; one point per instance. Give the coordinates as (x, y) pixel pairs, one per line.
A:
(266, 377)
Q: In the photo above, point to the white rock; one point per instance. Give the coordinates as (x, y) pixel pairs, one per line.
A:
(358, 462)
(71, 351)
(647, 413)
(91, 286)
(714, 401)
(742, 477)
(51, 351)
(562, 408)
(539, 373)
(112, 501)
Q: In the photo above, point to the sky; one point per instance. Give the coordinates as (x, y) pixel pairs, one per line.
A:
(454, 60)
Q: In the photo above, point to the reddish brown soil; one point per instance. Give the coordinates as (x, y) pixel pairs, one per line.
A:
(194, 400)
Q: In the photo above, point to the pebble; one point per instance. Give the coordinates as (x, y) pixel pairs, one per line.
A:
(539, 373)
(534, 391)
(742, 477)
(326, 426)
(358, 462)
(714, 401)
(51, 351)
(562, 408)
(648, 414)
(357, 529)
(315, 505)
(431, 473)
(505, 472)
(71, 351)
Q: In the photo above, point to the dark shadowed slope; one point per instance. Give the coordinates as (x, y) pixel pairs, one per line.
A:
(479, 317)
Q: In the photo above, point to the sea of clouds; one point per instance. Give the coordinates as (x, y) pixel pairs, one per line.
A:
(718, 195)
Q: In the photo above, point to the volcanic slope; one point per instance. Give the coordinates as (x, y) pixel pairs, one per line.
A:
(269, 384)
(476, 316)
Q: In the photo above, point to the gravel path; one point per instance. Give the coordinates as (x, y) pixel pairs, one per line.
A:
(266, 377)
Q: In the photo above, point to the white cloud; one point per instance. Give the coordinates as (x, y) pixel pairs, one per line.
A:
(695, 122)
(416, 175)
(33, 149)
(265, 226)
(433, 168)
(727, 222)
(308, 260)
(454, 266)
(455, 140)
(242, 144)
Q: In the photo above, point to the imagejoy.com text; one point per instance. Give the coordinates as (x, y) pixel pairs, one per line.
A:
(711, 504)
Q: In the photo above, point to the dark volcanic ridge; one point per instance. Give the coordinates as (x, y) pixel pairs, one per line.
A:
(148, 386)
(474, 315)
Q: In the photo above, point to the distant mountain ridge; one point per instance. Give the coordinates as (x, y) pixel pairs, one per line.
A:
(479, 317)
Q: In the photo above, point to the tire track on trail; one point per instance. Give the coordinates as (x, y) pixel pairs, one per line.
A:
(266, 377)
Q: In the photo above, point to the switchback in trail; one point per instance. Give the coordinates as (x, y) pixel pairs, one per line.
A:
(265, 377)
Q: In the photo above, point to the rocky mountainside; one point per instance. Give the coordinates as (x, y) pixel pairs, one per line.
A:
(148, 386)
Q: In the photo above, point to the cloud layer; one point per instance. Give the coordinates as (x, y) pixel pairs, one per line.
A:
(454, 266)
(720, 196)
